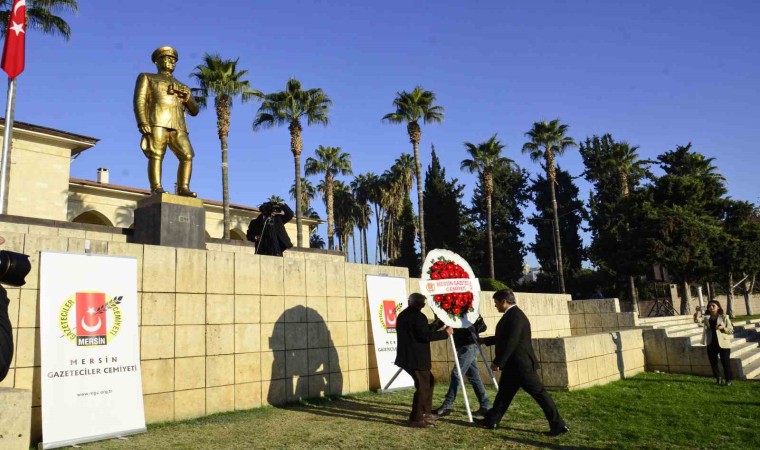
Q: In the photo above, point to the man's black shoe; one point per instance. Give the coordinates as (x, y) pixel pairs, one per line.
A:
(440, 412)
(485, 423)
(421, 424)
(557, 431)
(480, 412)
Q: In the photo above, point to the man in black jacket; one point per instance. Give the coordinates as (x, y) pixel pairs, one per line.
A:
(517, 361)
(414, 335)
(267, 230)
(6, 332)
(465, 341)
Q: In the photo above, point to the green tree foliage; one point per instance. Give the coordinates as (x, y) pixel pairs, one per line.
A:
(510, 197)
(444, 212)
(41, 15)
(676, 219)
(570, 212)
(331, 161)
(408, 256)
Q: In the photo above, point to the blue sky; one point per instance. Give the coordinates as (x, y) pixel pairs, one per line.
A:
(657, 74)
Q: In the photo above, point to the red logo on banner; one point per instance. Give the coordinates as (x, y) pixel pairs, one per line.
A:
(389, 313)
(91, 317)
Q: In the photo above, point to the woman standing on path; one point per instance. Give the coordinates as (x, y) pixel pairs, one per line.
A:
(716, 335)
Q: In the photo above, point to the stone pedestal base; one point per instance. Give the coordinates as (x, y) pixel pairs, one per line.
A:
(170, 220)
(15, 419)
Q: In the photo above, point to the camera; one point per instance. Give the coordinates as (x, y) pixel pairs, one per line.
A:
(14, 267)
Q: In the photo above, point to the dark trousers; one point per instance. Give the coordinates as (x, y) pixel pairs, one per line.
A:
(423, 394)
(509, 383)
(713, 351)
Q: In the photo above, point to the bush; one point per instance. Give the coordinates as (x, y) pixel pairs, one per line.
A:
(489, 284)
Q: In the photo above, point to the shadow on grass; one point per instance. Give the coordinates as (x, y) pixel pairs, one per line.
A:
(350, 408)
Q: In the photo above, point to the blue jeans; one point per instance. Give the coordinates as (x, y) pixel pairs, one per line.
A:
(468, 361)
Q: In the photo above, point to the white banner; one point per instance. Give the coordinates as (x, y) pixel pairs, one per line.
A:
(387, 298)
(90, 348)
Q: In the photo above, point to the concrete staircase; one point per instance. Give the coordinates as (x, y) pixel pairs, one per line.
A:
(682, 352)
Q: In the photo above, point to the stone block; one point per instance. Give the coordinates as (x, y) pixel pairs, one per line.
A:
(247, 273)
(296, 363)
(294, 277)
(609, 320)
(158, 308)
(355, 282)
(577, 321)
(678, 351)
(272, 308)
(247, 367)
(29, 378)
(10, 227)
(335, 279)
(272, 336)
(220, 272)
(133, 250)
(189, 373)
(27, 347)
(33, 245)
(247, 338)
(296, 336)
(336, 309)
(159, 269)
(272, 365)
(357, 332)
(220, 399)
(316, 309)
(247, 309)
(159, 407)
(338, 333)
(357, 357)
(15, 419)
(337, 384)
(339, 359)
(220, 370)
(295, 311)
(572, 348)
(189, 404)
(220, 309)
(191, 271)
(170, 220)
(272, 275)
(298, 390)
(247, 396)
(154, 375)
(591, 306)
(276, 392)
(573, 379)
(156, 342)
(319, 386)
(655, 351)
(554, 375)
(356, 308)
(552, 350)
(190, 340)
(316, 281)
(358, 381)
(318, 335)
(319, 361)
(190, 309)
(220, 339)
(77, 245)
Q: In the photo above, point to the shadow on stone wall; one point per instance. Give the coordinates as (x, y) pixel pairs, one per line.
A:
(305, 362)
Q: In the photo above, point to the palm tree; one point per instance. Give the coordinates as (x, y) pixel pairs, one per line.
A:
(374, 196)
(308, 193)
(274, 198)
(289, 107)
(345, 214)
(221, 78)
(411, 107)
(41, 15)
(331, 161)
(548, 139)
(362, 190)
(485, 158)
(393, 192)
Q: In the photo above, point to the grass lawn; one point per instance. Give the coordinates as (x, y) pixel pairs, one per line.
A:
(754, 316)
(651, 410)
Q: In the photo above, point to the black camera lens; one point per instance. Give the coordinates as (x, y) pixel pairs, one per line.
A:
(14, 267)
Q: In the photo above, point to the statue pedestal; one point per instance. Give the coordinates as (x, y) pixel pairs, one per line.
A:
(170, 220)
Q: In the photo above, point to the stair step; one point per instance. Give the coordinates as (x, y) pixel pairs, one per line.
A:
(752, 371)
(742, 348)
(751, 358)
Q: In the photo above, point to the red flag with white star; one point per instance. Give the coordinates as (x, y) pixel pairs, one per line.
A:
(13, 52)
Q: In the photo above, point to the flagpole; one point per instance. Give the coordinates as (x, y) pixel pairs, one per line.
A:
(7, 133)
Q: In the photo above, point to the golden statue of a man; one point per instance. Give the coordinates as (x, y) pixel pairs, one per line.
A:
(160, 103)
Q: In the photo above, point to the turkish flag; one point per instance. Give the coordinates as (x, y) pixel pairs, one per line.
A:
(13, 52)
(91, 317)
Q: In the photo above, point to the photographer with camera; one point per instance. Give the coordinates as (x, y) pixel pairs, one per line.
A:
(267, 230)
(13, 269)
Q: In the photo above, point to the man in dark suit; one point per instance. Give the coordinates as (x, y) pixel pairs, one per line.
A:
(517, 361)
(413, 355)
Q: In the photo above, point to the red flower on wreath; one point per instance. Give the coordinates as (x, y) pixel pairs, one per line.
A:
(455, 304)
